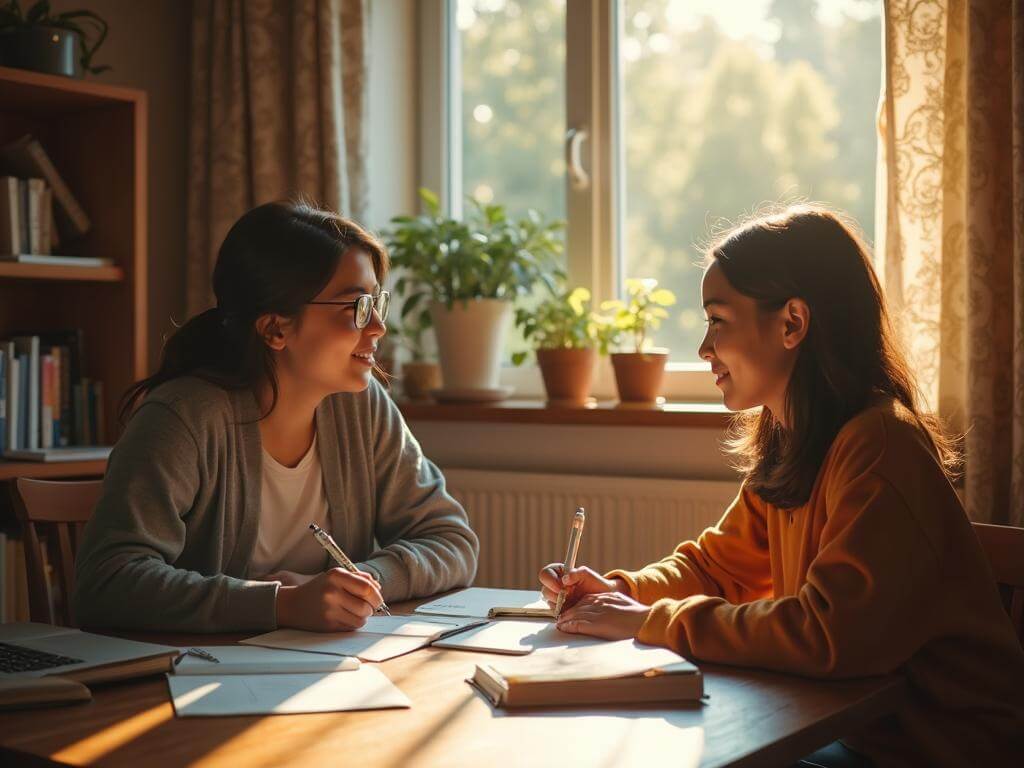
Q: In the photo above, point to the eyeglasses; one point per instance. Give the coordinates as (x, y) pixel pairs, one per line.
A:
(364, 305)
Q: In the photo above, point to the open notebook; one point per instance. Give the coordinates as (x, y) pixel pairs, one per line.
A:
(484, 602)
(516, 637)
(381, 638)
(254, 660)
(608, 673)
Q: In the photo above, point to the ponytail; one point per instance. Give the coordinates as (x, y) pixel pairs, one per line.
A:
(274, 259)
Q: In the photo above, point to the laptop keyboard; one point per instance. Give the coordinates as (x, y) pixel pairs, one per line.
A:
(15, 658)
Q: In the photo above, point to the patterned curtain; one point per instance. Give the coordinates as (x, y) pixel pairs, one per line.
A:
(278, 110)
(951, 239)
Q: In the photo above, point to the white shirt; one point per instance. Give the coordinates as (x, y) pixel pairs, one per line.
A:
(290, 499)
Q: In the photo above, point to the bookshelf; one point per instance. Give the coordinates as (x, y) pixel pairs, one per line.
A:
(96, 136)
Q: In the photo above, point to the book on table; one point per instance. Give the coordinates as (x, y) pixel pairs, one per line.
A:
(621, 672)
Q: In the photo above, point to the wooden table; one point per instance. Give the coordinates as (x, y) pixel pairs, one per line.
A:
(751, 718)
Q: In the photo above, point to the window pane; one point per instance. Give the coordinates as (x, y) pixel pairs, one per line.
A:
(513, 103)
(731, 103)
(512, 80)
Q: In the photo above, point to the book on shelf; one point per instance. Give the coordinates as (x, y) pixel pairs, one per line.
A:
(70, 453)
(620, 672)
(47, 405)
(57, 261)
(26, 158)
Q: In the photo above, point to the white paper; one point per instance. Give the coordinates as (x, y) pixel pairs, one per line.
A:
(477, 601)
(517, 637)
(381, 638)
(210, 695)
(253, 660)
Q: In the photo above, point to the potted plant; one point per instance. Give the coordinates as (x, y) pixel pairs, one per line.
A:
(566, 339)
(57, 43)
(468, 273)
(639, 372)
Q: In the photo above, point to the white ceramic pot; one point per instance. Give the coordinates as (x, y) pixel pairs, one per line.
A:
(471, 341)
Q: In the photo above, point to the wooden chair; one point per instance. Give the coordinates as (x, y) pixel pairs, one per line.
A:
(59, 510)
(1004, 546)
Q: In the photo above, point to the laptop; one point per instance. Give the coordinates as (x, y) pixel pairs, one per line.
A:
(30, 650)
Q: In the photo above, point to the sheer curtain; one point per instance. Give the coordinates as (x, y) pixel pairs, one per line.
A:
(278, 109)
(951, 237)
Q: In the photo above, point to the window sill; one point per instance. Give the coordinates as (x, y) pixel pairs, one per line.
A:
(603, 413)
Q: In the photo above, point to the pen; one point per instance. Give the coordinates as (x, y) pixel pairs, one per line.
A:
(197, 652)
(340, 557)
(575, 533)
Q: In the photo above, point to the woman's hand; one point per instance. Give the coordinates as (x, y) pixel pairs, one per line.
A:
(333, 601)
(610, 615)
(288, 578)
(578, 582)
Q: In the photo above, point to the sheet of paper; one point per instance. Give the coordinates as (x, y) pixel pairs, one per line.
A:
(212, 695)
(477, 601)
(381, 638)
(254, 660)
(517, 637)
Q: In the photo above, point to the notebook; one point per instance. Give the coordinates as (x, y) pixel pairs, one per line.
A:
(482, 602)
(618, 672)
(254, 660)
(224, 695)
(516, 637)
(381, 638)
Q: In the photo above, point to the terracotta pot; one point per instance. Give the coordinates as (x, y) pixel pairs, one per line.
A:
(638, 375)
(471, 341)
(419, 378)
(567, 374)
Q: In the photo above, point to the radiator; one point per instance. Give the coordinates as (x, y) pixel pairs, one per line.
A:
(522, 519)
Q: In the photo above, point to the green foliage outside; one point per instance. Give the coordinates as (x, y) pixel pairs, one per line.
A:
(713, 127)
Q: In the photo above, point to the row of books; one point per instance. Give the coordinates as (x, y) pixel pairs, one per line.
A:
(45, 401)
(37, 208)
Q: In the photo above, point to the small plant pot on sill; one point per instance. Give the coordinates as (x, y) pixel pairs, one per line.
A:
(419, 378)
(567, 375)
(638, 375)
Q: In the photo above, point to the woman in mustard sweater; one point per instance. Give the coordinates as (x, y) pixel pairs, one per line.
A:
(847, 551)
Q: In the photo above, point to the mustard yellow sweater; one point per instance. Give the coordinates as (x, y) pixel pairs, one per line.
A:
(878, 572)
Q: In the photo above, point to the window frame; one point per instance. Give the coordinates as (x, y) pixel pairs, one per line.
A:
(594, 214)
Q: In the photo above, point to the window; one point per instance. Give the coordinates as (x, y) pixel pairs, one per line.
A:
(695, 113)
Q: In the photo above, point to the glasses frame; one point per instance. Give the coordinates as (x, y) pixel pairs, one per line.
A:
(365, 305)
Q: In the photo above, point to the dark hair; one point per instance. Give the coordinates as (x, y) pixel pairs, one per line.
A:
(848, 358)
(274, 259)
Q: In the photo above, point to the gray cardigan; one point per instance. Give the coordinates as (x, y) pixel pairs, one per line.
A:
(170, 542)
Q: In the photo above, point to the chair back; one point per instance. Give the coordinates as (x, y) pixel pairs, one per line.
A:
(1004, 546)
(52, 516)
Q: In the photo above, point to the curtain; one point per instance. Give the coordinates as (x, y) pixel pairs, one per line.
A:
(278, 110)
(950, 245)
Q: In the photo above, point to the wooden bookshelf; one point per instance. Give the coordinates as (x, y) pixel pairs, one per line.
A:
(96, 136)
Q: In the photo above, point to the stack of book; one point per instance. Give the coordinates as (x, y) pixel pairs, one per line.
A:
(37, 208)
(48, 409)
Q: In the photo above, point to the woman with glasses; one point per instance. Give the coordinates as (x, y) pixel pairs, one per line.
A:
(263, 419)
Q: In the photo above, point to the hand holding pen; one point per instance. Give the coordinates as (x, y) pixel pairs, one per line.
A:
(328, 543)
